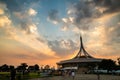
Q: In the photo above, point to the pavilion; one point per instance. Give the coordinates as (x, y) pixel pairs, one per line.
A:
(82, 62)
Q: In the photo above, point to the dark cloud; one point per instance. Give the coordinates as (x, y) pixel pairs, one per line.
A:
(28, 27)
(25, 27)
(79, 11)
(112, 5)
(40, 39)
(18, 11)
(53, 16)
(62, 47)
(13, 5)
(18, 6)
(85, 11)
(21, 56)
(82, 10)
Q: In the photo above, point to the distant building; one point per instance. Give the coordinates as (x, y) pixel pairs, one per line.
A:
(82, 62)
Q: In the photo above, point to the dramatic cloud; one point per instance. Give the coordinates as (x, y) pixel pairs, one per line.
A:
(23, 28)
(20, 52)
(111, 5)
(4, 20)
(6, 28)
(63, 47)
(23, 37)
(82, 13)
(109, 26)
(29, 28)
(92, 18)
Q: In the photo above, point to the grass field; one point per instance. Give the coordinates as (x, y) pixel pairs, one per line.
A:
(81, 77)
(6, 76)
(36, 76)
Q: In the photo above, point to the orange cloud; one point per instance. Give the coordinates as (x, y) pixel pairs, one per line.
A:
(4, 21)
(1, 11)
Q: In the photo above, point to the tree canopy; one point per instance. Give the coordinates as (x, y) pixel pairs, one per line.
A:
(107, 64)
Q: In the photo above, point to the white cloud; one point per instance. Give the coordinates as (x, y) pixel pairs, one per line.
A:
(15, 33)
(4, 21)
(55, 22)
(65, 44)
(68, 20)
(32, 12)
(65, 20)
(33, 28)
(71, 11)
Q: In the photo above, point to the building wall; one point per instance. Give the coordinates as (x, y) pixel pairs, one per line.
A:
(82, 67)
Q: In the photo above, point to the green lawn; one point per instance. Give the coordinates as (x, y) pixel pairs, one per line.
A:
(6, 76)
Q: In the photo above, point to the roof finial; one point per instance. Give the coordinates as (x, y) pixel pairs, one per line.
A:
(82, 51)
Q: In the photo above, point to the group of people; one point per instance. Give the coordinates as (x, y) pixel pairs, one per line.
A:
(65, 73)
(69, 73)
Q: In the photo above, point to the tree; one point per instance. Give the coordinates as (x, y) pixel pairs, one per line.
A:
(107, 64)
(11, 67)
(19, 68)
(31, 68)
(53, 68)
(0, 68)
(46, 67)
(36, 66)
(5, 68)
(118, 59)
(23, 67)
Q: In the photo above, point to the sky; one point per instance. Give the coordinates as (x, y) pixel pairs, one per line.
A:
(47, 31)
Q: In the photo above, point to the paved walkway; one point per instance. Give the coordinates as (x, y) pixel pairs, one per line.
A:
(81, 77)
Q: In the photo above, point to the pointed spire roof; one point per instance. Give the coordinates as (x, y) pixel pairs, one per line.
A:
(82, 56)
(82, 52)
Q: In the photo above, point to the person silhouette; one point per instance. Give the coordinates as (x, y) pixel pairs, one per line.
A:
(73, 75)
(98, 76)
(12, 73)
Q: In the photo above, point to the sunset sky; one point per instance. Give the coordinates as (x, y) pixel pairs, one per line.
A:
(47, 31)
